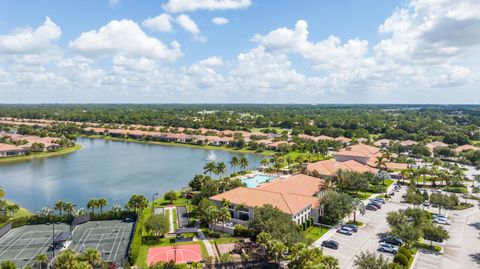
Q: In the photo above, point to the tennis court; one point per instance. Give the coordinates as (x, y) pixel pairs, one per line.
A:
(21, 245)
(110, 237)
(178, 253)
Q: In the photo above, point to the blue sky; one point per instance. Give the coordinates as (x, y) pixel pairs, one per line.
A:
(265, 51)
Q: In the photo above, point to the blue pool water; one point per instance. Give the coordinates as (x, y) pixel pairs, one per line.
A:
(257, 180)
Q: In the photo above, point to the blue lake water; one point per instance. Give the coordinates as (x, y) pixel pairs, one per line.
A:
(109, 169)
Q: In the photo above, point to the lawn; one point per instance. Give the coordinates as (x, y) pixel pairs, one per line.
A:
(314, 233)
(40, 155)
(224, 240)
(21, 213)
(175, 224)
(295, 154)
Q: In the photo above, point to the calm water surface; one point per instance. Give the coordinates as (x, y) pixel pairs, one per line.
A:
(109, 169)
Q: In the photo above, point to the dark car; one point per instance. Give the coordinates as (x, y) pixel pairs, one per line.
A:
(391, 240)
(330, 244)
(376, 204)
(371, 207)
(378, 200)
(353, 227)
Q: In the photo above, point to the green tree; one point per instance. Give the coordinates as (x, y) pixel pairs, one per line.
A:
(243, 163)
(209, 168)
(12, 209)
(278, 224)
(336, 206)
(358, 206)
(91, 256)
(59, 205)
(137, 202)
(69, 208)
(157, 224)
(407, 232)
(170, 196)
(8, 265)
(65, 260)
(92, 204)
(221, 168)
(224, 216)
(303, 257)
(234, 162)
(435, 233)
(41, 260)
(370, 260)
(101, 203)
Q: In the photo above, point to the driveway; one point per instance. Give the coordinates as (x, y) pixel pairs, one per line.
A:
(367, 237)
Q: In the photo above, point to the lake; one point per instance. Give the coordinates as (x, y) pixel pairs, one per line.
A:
(110, 169)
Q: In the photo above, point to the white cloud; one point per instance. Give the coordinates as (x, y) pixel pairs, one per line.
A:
(220, 20)
(27, 41)
(176, 6)
(328, 53)
(114, 2)
(188, 24)
(211, 61)
(160, 23)
(125, 38)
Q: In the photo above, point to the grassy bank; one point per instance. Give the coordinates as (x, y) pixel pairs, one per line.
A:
(40, 155)
(175, 144)
(22, 212)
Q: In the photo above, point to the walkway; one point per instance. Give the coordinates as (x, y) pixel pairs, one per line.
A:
(205, 241)
(170, 218)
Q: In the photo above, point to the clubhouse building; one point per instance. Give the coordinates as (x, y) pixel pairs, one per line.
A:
(296, 195)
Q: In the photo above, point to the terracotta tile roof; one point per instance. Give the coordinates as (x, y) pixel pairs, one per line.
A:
(436, 144)
(286, 202)
(358, 150)
(396, 166)
(297, 184)
(466, 148)
(8, 147)
(314, 138)
(343, 139)
(407, 143)
(330, 167)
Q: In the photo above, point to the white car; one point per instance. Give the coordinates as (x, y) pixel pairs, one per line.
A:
(442, 221)
(385, 247)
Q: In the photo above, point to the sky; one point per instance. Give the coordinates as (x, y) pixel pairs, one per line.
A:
(240, 51)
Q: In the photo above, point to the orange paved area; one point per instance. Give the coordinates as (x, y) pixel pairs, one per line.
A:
(180, 254)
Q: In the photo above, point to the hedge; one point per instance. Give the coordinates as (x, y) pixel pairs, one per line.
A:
(138, 237)
(401, 259)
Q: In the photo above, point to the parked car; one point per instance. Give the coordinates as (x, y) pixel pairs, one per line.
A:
(353, 227)
(386, 247)
(379, 200)
(442, 221)
(391, 240)
(426, 204)
(376, 204)
(330, 244)
(371, 207)
(345, 231)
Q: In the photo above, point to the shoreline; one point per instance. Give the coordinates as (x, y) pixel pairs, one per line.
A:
(42, 155)
(175, 144)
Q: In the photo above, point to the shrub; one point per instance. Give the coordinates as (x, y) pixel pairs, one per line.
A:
(136, 243)
(456, 189)
(405, 251)
(241, 230)
(401, 259)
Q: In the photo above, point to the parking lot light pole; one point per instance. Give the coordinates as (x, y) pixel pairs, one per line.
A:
(153, 200)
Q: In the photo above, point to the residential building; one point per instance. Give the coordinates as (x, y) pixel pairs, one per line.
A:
(329, 168)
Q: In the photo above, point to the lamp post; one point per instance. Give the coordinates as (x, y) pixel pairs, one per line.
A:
(153, 200)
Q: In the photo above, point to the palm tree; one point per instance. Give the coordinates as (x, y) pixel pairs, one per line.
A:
(234, 163)
(224, 216)
(209, 168)
(265, 162)
(91, 256)
(243, 163)
(101, 203)
(92, 204)
(69, 208)
(116, 208)
(405, 174)
(381, 163)
(59, 205)
(359, 206)
(41, 260)
(221, 168)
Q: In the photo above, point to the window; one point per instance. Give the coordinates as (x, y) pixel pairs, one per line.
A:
(243, 216)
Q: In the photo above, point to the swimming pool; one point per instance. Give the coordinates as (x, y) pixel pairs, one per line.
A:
(253, 182)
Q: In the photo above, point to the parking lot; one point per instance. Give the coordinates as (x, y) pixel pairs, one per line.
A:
(462, 250)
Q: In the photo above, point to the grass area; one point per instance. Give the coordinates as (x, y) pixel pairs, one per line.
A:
(175, 223)
(181, 201)
(463, 206)
(224, 240)
(358, 223)
(314, 233)
(40, 155)
(361, 195)
(428, 246)
(22, 212)
(388, 182)
(316, 157)
(175, 144)
(278, 129)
